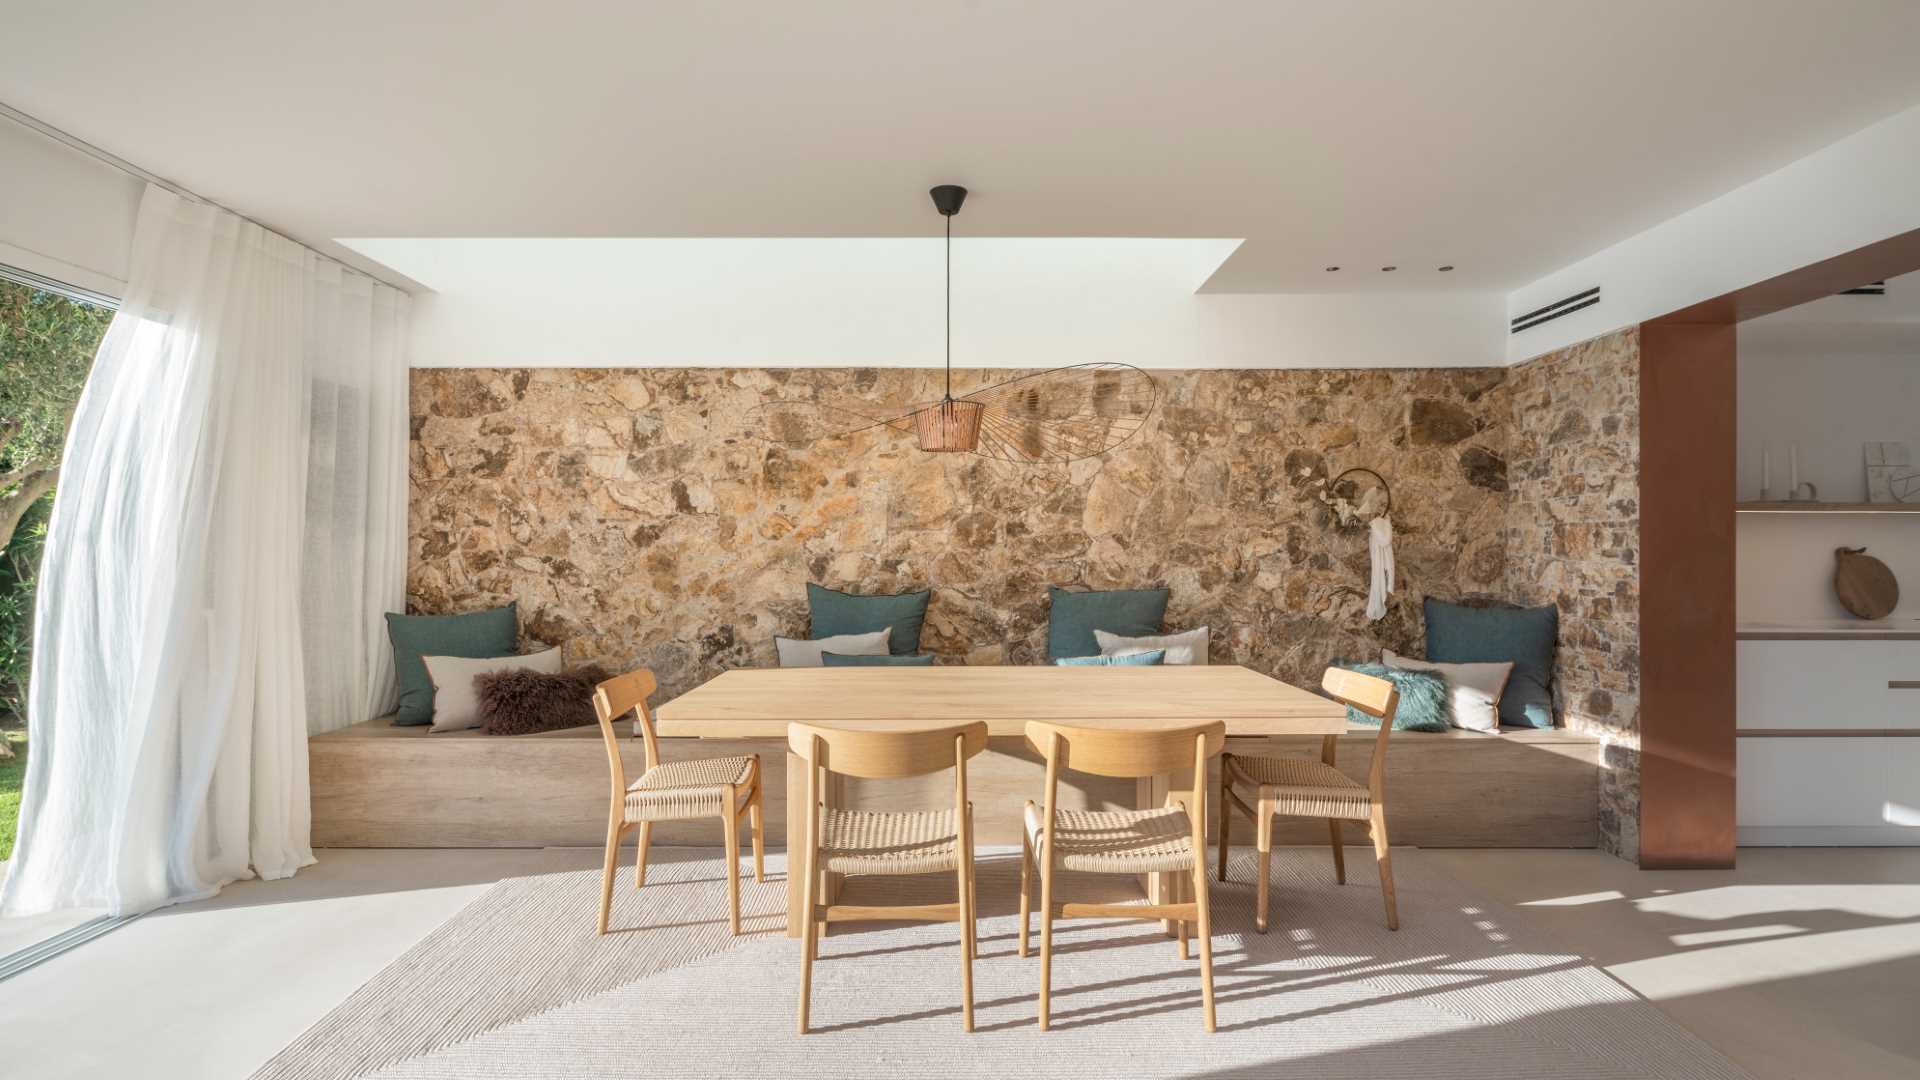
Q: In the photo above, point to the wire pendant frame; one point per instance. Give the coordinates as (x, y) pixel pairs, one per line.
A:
(1047, 418)
(1054, 416)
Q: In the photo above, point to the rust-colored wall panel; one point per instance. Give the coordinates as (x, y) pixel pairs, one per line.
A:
(1687, 421)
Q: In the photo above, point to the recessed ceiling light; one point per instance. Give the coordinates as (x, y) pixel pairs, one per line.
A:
(1331, 269)
(1444, 269)
(1388, 269)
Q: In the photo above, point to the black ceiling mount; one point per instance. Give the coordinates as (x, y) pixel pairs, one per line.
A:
(947, 198)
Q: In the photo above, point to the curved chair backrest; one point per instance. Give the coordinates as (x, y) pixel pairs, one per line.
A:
(1126, 753)
(612, 700)
(885, 755)
(1374, 696)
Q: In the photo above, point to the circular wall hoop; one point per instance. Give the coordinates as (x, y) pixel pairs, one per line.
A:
(1334, 484)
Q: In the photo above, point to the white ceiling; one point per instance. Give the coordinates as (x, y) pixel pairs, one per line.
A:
(1505, 137)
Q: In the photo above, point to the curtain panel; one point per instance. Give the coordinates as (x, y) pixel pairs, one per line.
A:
(228, 530)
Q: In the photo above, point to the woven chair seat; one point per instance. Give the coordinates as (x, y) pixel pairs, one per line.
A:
(889, 842)
(676, 790)
(1301, 788)
(1116, 841)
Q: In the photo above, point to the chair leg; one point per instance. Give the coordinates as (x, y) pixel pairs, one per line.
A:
(964, 884)
(824, 890)
(1026, 886)
(1226, 815)
(606, 872)
(1339, 851)
(973, 905)
(1377, 823)
(1184, 953)
(730, 823)
(1204, 917)
(757, 816)
(1046, 942)
(1263, 833)
(640, 859)
(809, 936)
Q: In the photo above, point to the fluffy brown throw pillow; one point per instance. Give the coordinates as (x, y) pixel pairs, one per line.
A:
(523, 702)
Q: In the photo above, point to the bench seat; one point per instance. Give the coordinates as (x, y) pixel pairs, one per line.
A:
(376, 785)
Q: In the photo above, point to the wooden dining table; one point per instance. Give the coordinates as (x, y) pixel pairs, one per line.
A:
(760, 703)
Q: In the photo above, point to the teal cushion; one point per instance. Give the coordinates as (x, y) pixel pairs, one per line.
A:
(1521, 636)
(834, 659)
(836, 612)
(476, 635)
(1138, 659)
(1074, 616)
(1423, 698)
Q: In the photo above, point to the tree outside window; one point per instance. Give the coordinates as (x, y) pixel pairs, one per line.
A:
(47, 344)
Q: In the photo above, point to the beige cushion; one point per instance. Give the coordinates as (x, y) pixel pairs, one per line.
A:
(1473, 690)
(802, 652)
(1189, 647)
(456, 704)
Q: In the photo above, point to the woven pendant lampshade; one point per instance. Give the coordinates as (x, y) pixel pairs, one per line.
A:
(949, 427)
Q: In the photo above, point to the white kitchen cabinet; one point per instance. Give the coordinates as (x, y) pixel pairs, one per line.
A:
(1858, 786)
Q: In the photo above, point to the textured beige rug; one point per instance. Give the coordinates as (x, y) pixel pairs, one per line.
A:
(517, 985)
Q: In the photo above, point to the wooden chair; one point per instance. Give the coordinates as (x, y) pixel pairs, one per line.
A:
(885, 843)
(1169, 840)
(1296, 787)
(726, 788)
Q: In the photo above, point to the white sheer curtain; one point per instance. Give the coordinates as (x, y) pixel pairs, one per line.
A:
(172, 686)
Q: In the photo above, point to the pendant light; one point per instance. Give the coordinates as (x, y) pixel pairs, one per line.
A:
(1054, 416)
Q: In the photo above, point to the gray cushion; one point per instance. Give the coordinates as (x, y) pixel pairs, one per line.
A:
(836, 613)
(1074, 616)
(478, 634)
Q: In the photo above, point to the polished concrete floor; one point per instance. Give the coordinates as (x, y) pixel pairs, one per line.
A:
(1801, 963)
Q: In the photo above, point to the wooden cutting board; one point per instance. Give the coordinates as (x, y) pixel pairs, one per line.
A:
(1864, 584)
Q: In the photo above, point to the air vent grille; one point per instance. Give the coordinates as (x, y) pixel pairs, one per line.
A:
(1556, 309)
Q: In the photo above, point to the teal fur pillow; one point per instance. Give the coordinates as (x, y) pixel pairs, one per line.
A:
(1423, 698)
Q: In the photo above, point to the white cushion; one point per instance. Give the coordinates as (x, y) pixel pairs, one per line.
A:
(801, 652)
(1472, 689)
(456, 703)
(1189, 647)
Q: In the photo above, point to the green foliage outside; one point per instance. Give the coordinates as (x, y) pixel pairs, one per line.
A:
(47, 344)
(13, 773)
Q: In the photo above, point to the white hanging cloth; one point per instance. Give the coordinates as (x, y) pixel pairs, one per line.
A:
(172, 688)
(1380, 548)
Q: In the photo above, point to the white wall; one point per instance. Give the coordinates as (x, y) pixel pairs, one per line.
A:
(1829, 400)
(1860, 190)
(1018, 302)
(63, 214)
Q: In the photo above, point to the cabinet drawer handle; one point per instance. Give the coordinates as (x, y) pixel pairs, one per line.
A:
(1904, 684)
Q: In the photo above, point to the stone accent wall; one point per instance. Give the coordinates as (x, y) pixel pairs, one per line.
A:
(1573, 540)
(638, 522)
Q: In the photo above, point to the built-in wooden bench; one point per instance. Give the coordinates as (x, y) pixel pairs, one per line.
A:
(376, 785)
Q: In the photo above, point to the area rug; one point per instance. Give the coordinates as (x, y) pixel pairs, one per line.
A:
(518, 985)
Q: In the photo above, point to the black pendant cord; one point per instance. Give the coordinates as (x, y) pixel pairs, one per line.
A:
(949, 220)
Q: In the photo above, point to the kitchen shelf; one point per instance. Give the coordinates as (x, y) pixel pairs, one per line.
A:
(1782, 507)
